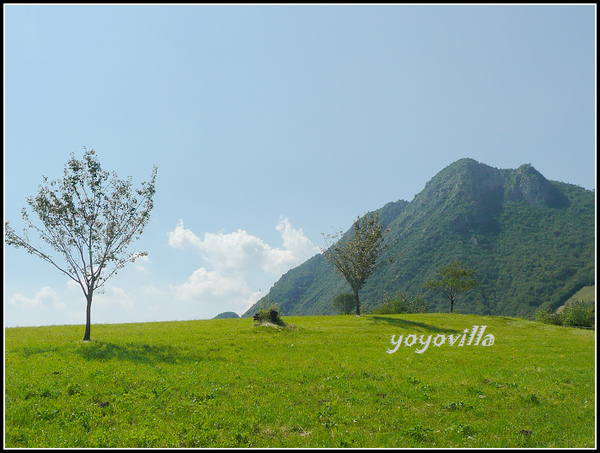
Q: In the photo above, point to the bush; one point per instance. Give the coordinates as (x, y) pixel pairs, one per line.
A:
(547, 317)
(399, 303)
(576, 314)
(270, 314)
(345, 303)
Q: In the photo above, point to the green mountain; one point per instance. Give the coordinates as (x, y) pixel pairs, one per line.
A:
(531, 241)
(227, 315)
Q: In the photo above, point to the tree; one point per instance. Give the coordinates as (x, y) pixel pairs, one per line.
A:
(90, 219)
(355, 256)
(453, 280)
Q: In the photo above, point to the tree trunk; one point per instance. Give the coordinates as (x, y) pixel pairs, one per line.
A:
(451, 305)
(88, 317)
(357, 303)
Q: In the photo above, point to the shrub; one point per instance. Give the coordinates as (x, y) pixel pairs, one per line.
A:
(579, 314)
(344, 303)
(545, 315)
(400, 303)
(270, 314)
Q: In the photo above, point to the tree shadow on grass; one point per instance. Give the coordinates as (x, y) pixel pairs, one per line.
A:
(406, 324)
(46, 350)
(138, 353)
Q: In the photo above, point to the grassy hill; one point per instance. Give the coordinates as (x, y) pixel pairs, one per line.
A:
(586, 294)
(327, 382)
(530, 240)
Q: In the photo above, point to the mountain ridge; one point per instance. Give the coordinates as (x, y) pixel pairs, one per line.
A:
(530, 239)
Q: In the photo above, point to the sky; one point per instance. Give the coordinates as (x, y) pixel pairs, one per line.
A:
(271, 125)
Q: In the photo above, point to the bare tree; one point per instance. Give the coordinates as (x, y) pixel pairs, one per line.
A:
(89, 218)
(355, 256)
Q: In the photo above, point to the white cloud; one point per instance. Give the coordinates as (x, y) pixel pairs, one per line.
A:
(233, 257)
(294, 239)
(296, 249)
(138, 263)
(212, 289)
(208, 284)
(180, 238)
(113, 297)
(73, 285)
(153, 291)
(243, 252)
(45, 297)
(106, 296)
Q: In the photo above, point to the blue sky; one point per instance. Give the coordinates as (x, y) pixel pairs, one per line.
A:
(272, 124)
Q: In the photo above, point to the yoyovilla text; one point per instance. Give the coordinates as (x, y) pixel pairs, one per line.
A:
(421, 344)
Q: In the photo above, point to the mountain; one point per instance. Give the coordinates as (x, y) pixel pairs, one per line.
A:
(531, 241)
(227, 315)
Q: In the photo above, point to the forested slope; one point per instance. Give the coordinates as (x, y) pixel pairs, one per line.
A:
(530, 240)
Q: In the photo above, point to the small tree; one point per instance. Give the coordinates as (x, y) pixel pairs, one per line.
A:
(453, 280)
(90, 219)
(355, 256)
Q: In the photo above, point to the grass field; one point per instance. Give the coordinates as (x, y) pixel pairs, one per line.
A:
(327, 382)
(586, 294)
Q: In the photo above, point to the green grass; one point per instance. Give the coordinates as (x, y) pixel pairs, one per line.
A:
(586, 294)
(326, 383)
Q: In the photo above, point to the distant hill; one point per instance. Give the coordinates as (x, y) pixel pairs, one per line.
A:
(530, 240)
(227, 315)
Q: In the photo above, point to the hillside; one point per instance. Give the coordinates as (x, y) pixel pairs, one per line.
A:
(530, 240)
(227, 315)
(586, 294)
